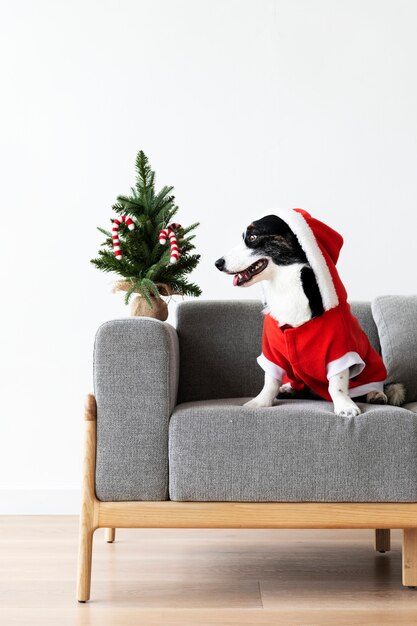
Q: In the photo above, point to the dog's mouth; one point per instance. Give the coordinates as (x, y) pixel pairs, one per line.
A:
(246, 275)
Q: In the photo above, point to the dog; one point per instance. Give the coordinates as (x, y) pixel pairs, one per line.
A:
(311, 341)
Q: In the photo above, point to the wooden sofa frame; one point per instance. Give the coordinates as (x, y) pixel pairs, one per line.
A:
(166, 514)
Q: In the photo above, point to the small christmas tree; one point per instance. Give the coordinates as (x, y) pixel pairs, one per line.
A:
(143, 263)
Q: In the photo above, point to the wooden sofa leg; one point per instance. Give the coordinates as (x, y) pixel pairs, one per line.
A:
(410, 557)
(85, 555)
(382, 540)
(89, 504)
(110, 535)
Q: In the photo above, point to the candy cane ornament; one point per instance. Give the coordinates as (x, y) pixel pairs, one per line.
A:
(168, 233)
(115, 233)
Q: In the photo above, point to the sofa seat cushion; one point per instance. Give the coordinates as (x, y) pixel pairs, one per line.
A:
(298, 451)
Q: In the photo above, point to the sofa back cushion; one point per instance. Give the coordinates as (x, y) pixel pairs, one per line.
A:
(219, 342)
(396, 318)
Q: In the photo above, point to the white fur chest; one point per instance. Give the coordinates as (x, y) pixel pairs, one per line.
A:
(286, 300)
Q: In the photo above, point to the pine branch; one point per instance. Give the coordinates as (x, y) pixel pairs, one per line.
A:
(145, 175)
(190, 228)
(149, 284)
(145, 293)
(105, 232)
(118, 208)
(163, 197)
(130, 204)
(131, 291)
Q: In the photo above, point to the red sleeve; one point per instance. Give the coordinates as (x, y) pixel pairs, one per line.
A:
(272, 360)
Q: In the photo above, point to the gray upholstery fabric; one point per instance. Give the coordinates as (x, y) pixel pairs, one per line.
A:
(363, 311)
(396, 319)
(297, 451)
(219, 343)
(135, 377)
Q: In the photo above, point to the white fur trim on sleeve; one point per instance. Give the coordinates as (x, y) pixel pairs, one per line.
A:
(351, 361)
(361, 390)
(270, 368)
(314, 255)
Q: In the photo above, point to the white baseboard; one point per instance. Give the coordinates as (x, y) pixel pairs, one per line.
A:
(50, 501)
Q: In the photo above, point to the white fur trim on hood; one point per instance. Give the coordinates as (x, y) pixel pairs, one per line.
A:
(314, 255)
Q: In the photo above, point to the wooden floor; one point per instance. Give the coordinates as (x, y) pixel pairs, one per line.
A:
(200, 577)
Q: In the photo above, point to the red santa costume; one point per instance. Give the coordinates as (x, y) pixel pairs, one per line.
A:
(310, 354)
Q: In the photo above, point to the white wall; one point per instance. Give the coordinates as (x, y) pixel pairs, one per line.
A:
(243, 105)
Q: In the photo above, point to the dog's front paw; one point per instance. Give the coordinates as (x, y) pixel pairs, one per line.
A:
(257, 403)
(347, 409)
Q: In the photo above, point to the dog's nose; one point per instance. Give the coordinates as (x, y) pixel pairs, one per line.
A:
(220, 263)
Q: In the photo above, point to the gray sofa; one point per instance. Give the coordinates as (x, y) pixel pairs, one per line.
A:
(170, 428)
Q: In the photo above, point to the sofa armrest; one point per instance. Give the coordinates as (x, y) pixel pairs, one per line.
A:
(136, 367)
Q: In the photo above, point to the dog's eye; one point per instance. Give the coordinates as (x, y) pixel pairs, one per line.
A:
(252, 237)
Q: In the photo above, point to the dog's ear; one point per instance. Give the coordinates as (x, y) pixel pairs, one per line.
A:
(271, 225)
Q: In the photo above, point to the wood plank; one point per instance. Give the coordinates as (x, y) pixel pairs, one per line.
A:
(89, 506)
(113, 593)
(334, 594)
(256, 515)
(410, 557)
(89, 615)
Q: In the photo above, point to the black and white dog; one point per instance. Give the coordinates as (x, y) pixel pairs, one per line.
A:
(311, 339)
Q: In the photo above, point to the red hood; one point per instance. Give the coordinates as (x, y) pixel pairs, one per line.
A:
(322, 246)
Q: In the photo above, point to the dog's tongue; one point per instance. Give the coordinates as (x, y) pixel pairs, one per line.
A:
(237, 277)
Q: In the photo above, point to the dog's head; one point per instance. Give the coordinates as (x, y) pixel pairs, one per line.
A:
(267, 244)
